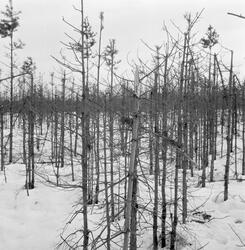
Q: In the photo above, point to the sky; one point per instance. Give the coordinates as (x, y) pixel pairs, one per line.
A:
(127, 21)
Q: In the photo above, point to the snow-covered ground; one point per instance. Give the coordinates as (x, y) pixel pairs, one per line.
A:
(217, 225)
(34, 222)
(31, 222)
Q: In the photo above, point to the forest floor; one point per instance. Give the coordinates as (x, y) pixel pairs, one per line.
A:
(215, 224)
(31, 222)
(35, 222)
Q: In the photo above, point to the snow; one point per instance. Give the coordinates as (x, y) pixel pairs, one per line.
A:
(31, 222)
(35, 222)
(226, 222)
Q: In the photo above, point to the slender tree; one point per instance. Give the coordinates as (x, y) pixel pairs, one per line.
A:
(132, 166)
(178, 155)
(97, 156)
(228, 137)
(29, 68)
(8, 26)
(156, 162)
(109, 56)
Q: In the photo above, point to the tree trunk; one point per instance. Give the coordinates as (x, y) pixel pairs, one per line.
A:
(132, 164)
(228, 138)
(178, 156)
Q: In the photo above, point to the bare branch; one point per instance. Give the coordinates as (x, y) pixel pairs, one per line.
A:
(233, 14)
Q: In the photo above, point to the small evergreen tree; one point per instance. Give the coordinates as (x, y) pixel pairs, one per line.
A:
(210, 39)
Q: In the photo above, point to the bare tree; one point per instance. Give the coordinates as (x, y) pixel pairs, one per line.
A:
(132, 163)
(228, 137)
(8, 26)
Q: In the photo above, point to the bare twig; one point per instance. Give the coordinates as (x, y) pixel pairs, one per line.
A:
(242, 242)
(233, 14)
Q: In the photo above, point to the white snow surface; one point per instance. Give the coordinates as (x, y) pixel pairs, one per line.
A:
(226, 224)
(31, 222)
(35, 222)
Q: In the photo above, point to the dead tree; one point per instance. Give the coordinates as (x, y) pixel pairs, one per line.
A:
(228, 137)
(156, 161)
(109, 57)
(97, 156)
(178, 155)
(29, 68)
(108, 220)
(164, 152)
(62, 125)
(132, 164)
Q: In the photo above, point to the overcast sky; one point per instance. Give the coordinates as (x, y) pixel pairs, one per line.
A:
(127, 21)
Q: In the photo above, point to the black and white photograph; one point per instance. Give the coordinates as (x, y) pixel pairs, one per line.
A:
(122, 125)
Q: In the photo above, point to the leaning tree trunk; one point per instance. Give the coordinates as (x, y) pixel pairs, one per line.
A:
(132, 164)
